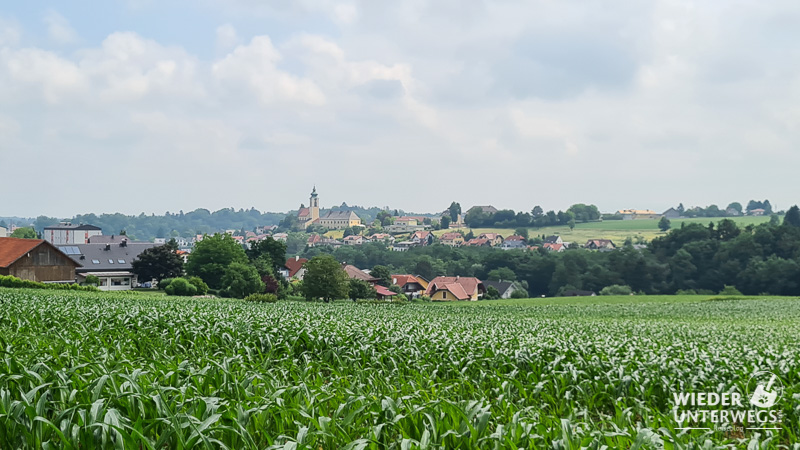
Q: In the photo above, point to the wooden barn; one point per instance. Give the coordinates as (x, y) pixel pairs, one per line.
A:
(35, 260)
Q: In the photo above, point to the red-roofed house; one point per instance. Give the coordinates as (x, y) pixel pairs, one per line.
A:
(478, 243)
(423, 238)
(452, 239)
(383, 293)
(294, 268)
(455, 288)
(358, 274)
(515, 237)
(313, 240)
(599, 244)
(409, 284)
(353, 240)
(553, 247)
(35, 260)
(494, 238)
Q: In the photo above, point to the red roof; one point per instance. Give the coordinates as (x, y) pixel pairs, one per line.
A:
(515, 237)
(358, 274)
(420, 235)
(461, 287)
(303, 212)
(12, 249)
(382, 291)
(402, 280)
(477, 242)
(294, 265)
(314, 239)
(553, 247)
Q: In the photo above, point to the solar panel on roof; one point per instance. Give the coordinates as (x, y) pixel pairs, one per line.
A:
(70, 250)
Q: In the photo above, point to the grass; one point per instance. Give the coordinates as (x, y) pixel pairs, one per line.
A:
(102, 370)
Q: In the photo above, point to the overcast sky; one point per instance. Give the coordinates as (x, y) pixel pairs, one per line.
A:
(153, 106)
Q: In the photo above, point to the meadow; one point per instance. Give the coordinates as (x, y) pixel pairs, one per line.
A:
(127, 370)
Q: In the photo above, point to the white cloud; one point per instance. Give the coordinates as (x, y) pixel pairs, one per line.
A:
(227, 37)
(59, 29)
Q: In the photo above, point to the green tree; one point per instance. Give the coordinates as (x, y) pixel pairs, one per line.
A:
(157, 263)
(92, 280)
(492, 293)
(502, 274)
(240, 280)
(774, 220)
(325, 279)
(522, 232)
(571, 224)
(445, 222)
(664, 224)
(180, 287)
(584, 213)
(792, 217)
(273, 249)
(537, 212)
(736, 206)
(24, 233)
(455, 210)
(360, 289)
(212, 256)
(348, 232)
(383, 274)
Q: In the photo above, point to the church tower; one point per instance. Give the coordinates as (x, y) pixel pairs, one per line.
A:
(313, 205)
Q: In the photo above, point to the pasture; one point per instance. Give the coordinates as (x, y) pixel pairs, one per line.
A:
(128, 370)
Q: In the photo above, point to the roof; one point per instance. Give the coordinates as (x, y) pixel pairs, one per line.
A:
(69, 226)
(501, 286)
(382, 291)
(358, 274)
(98, 252)
(461, 287)
(551, 239)
(12, 249)
(340, 215)
(478, 242)
(353, 237)
(113, 239)
(421, 234)
(402, 280)
(450, 236)
(491, 236)
(314, 238)
(294, 265)
(515, 237)
(554, 247)
(303, 212)
(636, 211)
(512, 244)
(598, 242)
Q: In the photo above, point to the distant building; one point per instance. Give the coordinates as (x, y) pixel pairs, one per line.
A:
(455, 288)
(553, 240)
(757, 212)
(3, 232)
(335, 220)
(112, 263)
(505, 288)
(35, 260)
(599, 244)
(671, 213)
(510, 244)
(66, 233)
(409, 284)
(634, 214)
(452, 239)
(489, 209)
(294, 268)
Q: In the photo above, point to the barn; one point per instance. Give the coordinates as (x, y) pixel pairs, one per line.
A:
(35, 260)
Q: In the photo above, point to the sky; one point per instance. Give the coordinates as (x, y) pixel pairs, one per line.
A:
(151, 106)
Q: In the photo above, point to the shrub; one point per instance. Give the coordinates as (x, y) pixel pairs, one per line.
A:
(729, 290)
(616, 289)
(425, 298)
(686, 292)
(263, 298)
(199, 284)
(164, 283)
(11, 281)
(92, 280)
(181, 287)
(492, 293)
(521, 292)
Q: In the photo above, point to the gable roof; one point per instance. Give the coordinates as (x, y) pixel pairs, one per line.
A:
(477, 242)
(340, 215)
(501, 286)
(515, 237)
(551, 239)
(450, 236)
(294, 265)
(382, 291)
(114, 252)
(599, 243)
(461, 287)
(420, 235)
(402, 280)
(491, 236)
(358, 274)
(12, 249)
(489, 209)
(69, 226)
(553, 247)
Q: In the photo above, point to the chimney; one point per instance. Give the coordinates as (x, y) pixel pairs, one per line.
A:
(297, 257)
(108, 247)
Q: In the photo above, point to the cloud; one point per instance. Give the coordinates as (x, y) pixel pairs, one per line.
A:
(227, 37)
(59, 29)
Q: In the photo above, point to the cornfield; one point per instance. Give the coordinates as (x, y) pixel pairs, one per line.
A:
(83, 370)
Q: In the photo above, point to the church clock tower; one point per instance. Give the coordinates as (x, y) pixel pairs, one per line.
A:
(313, 205)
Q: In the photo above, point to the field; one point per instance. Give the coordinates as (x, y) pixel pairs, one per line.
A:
(616, 230)
(99, 370)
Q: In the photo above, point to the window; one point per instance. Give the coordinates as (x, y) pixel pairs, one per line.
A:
(444, 294)
(111, 261)
(121, 261)
(95, 261)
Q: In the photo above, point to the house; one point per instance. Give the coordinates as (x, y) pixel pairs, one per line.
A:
(757, 212)
(403, 228)
(599, 244)
(382, 293)
(409, 284)
(3, 232)
(66, 233)
(505, 288)
(36, 260)
(313, 240)
(494, 238)
(294, 268)
(407, 221)
(671, 213)
(455, 288)
(422, 238)
(357, 274)
(452, 239)
(331, 242)
(403, 246)
(477, 242)
(382, 237)
(353, 240)
(513, 245)
(732, 212)
(553, 240)
(558, 248)
(280, 236)
(635, 214)
(515, 237)
(266, 229)
(112, 263)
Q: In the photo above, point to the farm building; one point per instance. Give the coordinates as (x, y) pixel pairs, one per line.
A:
(35, 260)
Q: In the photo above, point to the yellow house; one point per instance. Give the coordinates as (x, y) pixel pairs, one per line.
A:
(455, 289)
(452, 239)
(340, 219)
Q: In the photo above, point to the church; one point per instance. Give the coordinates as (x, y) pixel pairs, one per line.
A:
(332, 219)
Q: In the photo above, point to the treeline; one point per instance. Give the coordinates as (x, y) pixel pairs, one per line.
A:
(507, 218)
(180, 224)
(763, 259)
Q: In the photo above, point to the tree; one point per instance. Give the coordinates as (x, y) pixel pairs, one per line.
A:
(571, 224)
(348, 232)
(92, 280)
(736, 206)
(3, 224)
(325, 279)
(774, 220)
(502, 274)
(680, 208)
(445, 222)
(664, 224)
(792, 217)
(455, 211)
(160, 262)
(522, 232)
(180, 287)
(240, 280)
(383, 274)
(584, 213)
(492, 293)
(212, 256)
(537, 212)
(360, 289)
(274, 249)
(24, 233)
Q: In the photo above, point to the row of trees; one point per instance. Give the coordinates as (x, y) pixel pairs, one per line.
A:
(507, 218)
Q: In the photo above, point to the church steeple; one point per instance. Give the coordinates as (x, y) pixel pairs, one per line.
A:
(313, 205)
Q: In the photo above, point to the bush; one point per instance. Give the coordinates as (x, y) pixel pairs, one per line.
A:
(263, 298)
(164, 283)
(10, 281)
(616, 289)
(92, 280)
(686, 292)
(521, 292)
(424, 298)
(181, 287)
(729, 290)
(491, 293)
(199, 284)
